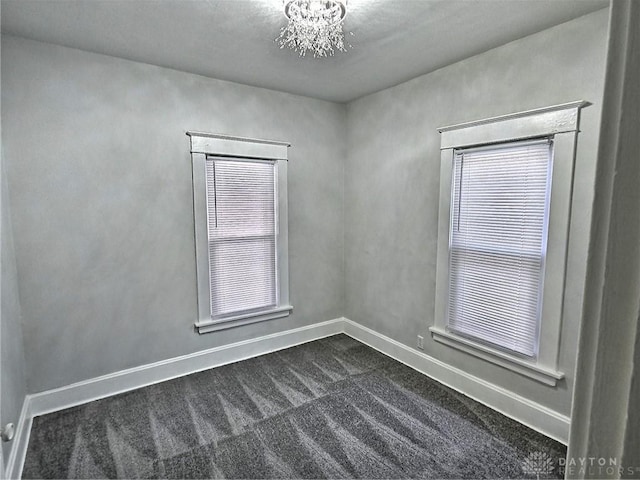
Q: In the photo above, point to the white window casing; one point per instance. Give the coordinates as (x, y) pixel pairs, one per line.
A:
(538, 139)
(241, 235)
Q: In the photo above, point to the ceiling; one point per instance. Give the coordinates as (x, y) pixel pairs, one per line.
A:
(393, 40)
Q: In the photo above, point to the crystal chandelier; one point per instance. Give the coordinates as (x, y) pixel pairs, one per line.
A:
(314, 26)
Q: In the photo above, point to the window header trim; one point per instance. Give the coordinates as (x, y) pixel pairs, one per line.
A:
(230, 145)
(539, 122)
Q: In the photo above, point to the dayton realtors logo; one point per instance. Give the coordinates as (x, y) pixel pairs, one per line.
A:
(598, 467)
(542, 465)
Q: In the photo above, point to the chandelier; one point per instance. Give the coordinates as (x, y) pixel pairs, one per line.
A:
(314, 26)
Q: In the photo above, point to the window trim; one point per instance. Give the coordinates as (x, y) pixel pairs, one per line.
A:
(210, 144)
(559, 122)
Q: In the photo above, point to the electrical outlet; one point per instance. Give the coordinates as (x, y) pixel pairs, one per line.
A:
(420, 342)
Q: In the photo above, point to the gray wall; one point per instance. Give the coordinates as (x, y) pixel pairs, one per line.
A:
(100, 174)
(100, 179)
(392, 184)
(12, 374)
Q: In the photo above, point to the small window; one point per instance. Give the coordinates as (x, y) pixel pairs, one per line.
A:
(505, 201)
(240, 230)
(500, 198)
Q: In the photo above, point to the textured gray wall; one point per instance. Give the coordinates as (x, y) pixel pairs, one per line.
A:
(12, 374)
(100, 174)
(392, 184)
(99, 170)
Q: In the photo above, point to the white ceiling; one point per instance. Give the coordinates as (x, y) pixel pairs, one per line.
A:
(393, 40)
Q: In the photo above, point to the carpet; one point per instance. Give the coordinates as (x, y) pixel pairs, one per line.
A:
(332, 408)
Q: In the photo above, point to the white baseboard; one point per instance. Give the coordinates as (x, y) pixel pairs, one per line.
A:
(20, 442)
(125, 380)
(133, 378)
(506, 402)
(527, 412)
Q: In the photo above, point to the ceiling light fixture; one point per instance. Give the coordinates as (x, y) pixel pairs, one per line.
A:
(314, 26)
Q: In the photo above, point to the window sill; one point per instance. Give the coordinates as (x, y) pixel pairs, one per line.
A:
(544, 375)
(207, 326)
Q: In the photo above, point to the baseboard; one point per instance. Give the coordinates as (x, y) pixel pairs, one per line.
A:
(527, 412)
(133, 378)
(20, 442)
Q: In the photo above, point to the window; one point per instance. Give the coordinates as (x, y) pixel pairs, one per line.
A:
(505, 197)
(240, 215)
(242, 235)
(498, 243)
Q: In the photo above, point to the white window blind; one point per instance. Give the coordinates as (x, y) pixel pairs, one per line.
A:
(500, 200)
(241, 207)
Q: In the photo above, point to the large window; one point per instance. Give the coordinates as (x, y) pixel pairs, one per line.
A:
(498, 243)
(505, 197)
(240, 230)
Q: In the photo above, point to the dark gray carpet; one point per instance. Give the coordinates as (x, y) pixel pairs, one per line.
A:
(332, 408)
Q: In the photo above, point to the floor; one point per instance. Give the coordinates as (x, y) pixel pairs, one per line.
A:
(332, 408)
